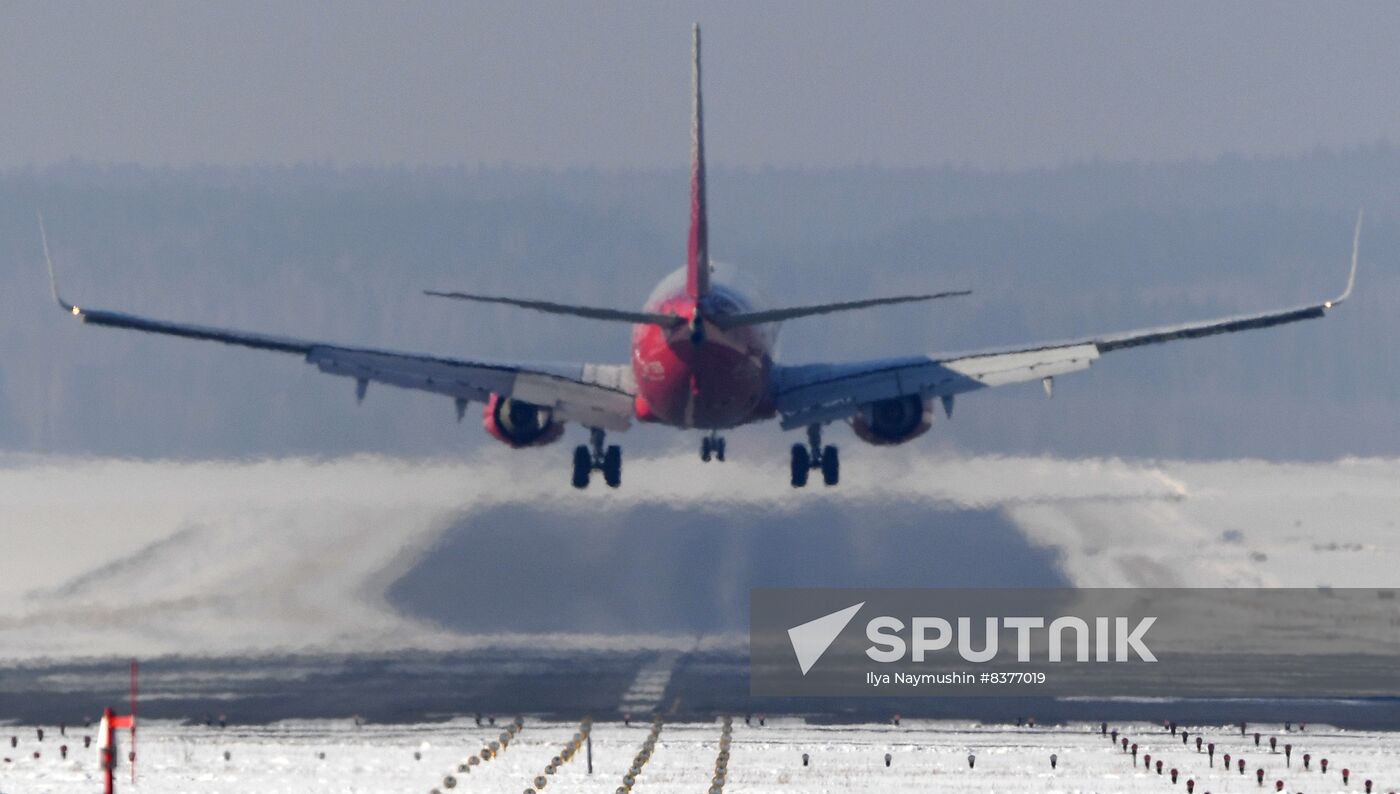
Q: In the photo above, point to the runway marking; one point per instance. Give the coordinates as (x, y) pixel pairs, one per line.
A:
(649, 686)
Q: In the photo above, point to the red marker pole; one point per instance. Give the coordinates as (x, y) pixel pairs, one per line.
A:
(107, 753)
(134, 668)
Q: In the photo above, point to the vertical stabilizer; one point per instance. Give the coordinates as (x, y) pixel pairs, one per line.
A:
(698, 251)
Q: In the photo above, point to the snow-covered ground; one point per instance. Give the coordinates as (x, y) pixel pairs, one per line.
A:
(307, 757)
(103, 558)
(119, 557)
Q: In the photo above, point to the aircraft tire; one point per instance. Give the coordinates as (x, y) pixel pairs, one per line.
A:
(831, 466)
(583, 464)
(612, 466)
(801, 465)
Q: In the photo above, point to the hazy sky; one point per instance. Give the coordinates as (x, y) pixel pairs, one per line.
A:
(605, 84)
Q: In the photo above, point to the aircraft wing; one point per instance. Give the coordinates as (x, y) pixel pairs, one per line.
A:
(595, 395)
(816, 393)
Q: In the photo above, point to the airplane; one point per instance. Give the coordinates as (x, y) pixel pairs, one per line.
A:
(702, 358)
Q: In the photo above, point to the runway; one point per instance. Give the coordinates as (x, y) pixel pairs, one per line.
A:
(566, 684)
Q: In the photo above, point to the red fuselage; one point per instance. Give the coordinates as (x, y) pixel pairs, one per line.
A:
(721, 380)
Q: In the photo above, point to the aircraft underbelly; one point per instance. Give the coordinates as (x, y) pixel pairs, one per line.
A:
(715, 384)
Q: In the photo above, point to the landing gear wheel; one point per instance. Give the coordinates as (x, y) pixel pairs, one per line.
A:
(831, 466)
(583, 464)
(801, 465)
(612, 466)
(712, 446)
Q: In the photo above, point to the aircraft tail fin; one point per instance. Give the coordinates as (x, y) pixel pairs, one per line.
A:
(697, 252)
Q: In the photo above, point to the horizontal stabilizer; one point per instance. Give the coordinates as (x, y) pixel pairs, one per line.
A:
(778, 315)
(591, 312)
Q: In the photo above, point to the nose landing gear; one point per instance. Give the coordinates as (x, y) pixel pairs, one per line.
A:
(594, 455)
(712, 446)
(815, 456)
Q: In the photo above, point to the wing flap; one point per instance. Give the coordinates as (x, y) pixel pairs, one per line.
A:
(596, 395)
(411, 372)
(830, 394)
(999, 369)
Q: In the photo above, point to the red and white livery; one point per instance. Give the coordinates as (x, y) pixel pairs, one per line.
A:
(702, 358)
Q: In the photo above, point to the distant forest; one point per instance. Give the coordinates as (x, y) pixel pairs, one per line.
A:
(342, 255)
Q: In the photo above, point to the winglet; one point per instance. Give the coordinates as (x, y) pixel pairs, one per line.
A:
(1351, 277)
(53, 279)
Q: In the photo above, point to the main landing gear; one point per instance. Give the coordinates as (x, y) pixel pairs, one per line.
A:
(814, 456)
(712, 446)
(594, 455)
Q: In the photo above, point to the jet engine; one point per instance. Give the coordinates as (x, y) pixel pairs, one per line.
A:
(520, 424)
(893, 421)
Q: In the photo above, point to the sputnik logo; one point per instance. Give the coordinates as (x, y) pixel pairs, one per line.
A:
(811, 639)
(891, 644)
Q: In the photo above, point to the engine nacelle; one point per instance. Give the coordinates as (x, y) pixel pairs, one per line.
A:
(520, 424)
(893, 421)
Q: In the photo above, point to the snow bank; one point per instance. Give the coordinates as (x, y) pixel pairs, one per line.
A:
(116, 557)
